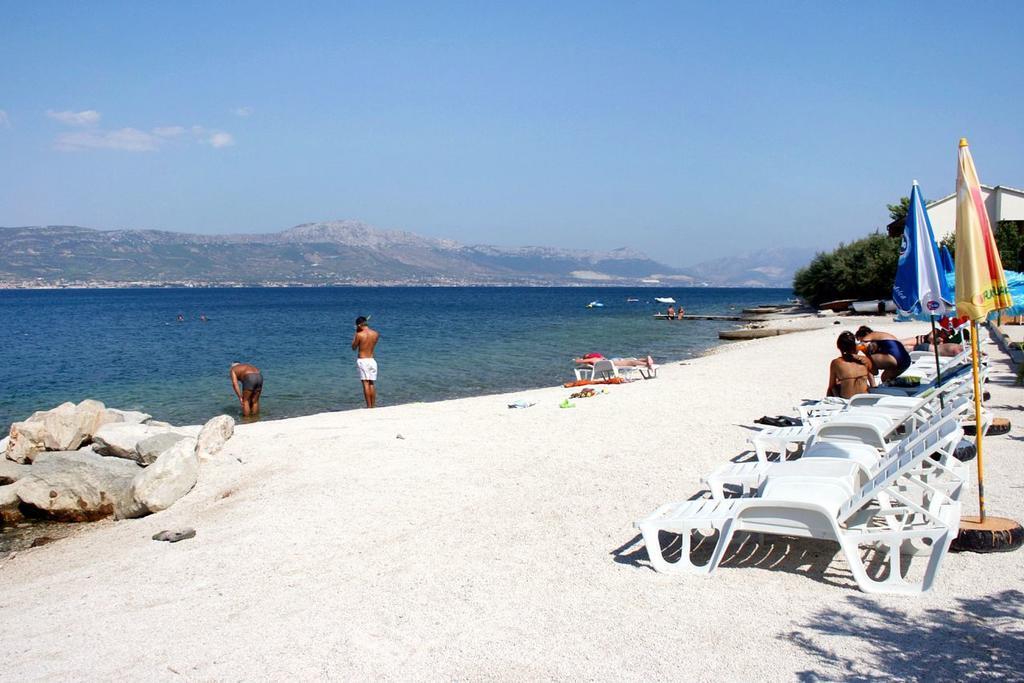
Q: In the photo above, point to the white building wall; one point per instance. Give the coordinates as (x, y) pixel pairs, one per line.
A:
(1001, 204)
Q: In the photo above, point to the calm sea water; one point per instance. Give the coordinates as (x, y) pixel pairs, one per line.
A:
(125, 348)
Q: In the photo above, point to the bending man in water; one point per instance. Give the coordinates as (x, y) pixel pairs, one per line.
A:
(247, 381)
(886, 352)
(364, 341)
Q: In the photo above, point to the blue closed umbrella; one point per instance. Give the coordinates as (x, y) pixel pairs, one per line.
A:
(921, 288)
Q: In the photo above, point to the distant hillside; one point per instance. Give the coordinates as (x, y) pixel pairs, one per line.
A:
(314, 253)
(765, 268)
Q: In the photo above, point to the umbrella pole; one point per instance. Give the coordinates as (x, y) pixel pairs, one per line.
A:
(938, 369)
(977, 421)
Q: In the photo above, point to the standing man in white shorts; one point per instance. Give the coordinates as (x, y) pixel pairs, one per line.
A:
(363, 343)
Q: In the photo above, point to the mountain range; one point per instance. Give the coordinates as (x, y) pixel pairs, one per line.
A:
(345, 252)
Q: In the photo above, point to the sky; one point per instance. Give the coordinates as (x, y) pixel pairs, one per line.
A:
(686, 130)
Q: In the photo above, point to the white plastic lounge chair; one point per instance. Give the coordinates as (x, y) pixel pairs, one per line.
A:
(867, 429)
(909, 504)
(893, 405)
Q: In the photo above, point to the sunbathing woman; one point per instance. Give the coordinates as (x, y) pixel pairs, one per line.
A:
(851, 373)
(923, 342)
(591, 358)
(887, 353)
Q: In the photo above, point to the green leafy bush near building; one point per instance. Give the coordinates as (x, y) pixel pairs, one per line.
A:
(864, 269)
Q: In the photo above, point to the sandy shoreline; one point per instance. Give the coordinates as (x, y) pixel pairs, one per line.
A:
(489, 543)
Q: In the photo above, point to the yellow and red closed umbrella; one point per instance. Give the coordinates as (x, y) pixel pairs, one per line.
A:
(980, 282)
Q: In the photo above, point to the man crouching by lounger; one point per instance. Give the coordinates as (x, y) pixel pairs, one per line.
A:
(363, 343)
(247, 381)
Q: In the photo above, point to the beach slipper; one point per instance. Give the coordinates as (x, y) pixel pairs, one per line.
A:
(174, 536)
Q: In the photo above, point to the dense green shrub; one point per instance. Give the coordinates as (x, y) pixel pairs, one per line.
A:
(864, 269)
(1009, 241)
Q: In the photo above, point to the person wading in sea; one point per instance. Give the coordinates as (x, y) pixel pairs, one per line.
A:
(363, 343)
(247, 381)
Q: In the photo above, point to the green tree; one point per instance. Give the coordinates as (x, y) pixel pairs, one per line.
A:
(1009, 236)
(900, 210)
(864, 269)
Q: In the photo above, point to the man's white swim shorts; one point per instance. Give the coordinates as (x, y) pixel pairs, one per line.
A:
(367, 368)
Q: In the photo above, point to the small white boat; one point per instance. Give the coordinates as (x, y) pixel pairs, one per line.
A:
(631, 300)
(595, 304)
(877, 306)
(664, 300)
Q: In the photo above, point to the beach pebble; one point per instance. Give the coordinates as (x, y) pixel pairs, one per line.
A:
(173, 536)
(174, 473)
(214, 435)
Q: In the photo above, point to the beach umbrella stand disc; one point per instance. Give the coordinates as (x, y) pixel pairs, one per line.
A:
(993, 535)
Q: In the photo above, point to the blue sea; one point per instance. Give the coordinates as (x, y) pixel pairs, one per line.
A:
(125, 347)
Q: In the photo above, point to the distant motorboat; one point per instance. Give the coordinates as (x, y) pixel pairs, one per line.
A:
(595, 304)
(632, 300)
(664, 300)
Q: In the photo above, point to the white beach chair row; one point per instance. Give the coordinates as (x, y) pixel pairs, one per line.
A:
(881, 476)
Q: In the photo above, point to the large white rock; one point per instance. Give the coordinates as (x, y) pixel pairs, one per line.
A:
(214, 435)
(120, 439)
(10, 504)
(11, 472)
(150, 448)
(25, 440)
(68, 426)
(174, 473)
(64, 428)
(133, 417)
(80, 486)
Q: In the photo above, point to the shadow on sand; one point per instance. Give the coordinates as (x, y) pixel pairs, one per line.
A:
(981, 639)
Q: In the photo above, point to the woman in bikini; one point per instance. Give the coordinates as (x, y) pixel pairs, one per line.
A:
(851, 373)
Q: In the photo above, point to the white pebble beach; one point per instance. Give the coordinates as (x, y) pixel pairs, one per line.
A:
(466, 540)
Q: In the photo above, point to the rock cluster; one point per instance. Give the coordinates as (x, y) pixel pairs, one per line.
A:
(84, 462)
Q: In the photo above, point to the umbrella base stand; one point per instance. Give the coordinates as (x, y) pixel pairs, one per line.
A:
(1000, 425)
(994, 535)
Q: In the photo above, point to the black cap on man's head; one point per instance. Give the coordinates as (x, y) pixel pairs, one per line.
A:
(361, 320)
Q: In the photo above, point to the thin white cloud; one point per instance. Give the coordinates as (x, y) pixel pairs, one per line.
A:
(123, 139)
(243, 111)
(86, 117)
(136, 140)
(168, 131)
(5, 121)
(219, 138)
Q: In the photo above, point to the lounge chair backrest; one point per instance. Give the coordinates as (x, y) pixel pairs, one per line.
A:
(908, 454)
(604, 369)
